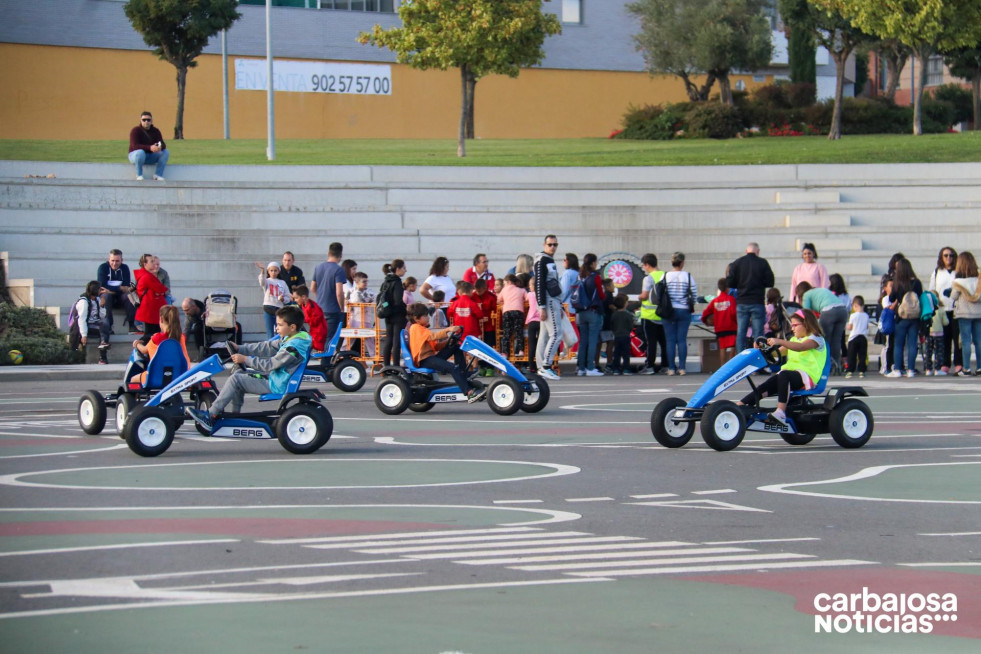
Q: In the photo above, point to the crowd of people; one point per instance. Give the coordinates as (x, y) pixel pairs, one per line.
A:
(536, 307)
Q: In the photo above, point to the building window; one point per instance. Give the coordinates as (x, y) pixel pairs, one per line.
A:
(572, 11)
(935, 71)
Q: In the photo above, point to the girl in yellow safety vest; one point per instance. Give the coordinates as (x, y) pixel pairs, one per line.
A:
(806, 354)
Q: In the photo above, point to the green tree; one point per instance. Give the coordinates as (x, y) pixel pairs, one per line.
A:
(178, 30)
(926, 26)
(895, 54)
(714, 37)
(966, 64)
(479, 37)
(801, 48)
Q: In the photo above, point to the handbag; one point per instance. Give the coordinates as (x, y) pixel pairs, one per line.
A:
(569, 335)
(662, 300)
(887, 321)
(133, 298)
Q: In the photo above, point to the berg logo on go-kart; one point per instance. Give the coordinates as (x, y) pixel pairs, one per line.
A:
(241, 432)
(447, 397)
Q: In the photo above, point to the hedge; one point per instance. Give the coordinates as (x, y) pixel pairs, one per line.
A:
(33, 332)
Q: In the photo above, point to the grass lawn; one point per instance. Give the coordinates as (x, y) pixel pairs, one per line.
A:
(931, 148)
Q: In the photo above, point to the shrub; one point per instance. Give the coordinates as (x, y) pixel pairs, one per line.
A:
(716, 121)
(27, 321)
(33, 332)
(959, 98)
(801, 95)
(652, 122)
(874, 116)
(937, 116)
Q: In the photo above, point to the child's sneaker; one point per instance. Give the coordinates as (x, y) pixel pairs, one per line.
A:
(776, 421)
(848, 375)
(476, 394)
(861, 375)
(940, 373)
(894, 374)
(203, 418)
(103, 345)
(593, 372)
(911, 373)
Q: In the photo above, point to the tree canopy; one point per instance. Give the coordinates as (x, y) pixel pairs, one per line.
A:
(479, 37)
(179, 30)
(714, 37)
(966, 63)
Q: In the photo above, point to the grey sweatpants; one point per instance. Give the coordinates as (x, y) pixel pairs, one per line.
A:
(551, 336)
(234, 391)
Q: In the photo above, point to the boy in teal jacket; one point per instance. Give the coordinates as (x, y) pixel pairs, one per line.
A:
(276, 359)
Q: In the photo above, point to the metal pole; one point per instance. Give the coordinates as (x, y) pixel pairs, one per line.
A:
(270, 111)
(224, 80)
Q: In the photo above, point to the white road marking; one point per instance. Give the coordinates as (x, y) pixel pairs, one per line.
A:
(761, 540)
(122, 546)
(300, 581)
(662, 561)
(438, 548)
(447, 540)
(955, 533)
(73, 452)
(589, 499)
(519, 501)
(714, 492)
(712, 505)
(610, 555)
(357, 540)
(654, 496)
(934, 564)
(722, 568)
(533, 550)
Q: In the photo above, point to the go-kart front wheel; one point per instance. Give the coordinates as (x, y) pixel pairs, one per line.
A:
(666, 431)
(536, 400)
(392, 395)
(92, 413)
(851, 423)
(505, 396)
(148, 432)
(125, 404)
(304, 428)
(204, 401)
(723, 425)
(349, 375)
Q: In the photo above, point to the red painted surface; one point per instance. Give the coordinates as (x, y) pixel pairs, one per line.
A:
(804, 586)
(249, 527)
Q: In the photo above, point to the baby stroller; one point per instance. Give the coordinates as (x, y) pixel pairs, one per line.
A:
(220, 323)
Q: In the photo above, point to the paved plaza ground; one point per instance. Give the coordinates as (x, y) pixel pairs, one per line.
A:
(459, 530)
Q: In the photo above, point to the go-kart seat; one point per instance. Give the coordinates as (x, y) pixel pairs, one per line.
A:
(166, 365)
(819, 387)
(407, 361)
(331, 347)
(292, 385)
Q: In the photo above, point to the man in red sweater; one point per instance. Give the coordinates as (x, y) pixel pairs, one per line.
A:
(146, 146)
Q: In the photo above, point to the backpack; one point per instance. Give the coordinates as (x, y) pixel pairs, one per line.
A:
(74, 329)
(662, 300)
(219, 310)
(384, 303)
(581, 299)
(909, 308)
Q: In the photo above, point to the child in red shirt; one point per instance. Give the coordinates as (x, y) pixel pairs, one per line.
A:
(313, 316)
(488, 305)
(465, 311)
(721, 314)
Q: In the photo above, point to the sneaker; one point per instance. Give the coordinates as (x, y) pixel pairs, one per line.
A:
(546, 373)
(627, 372)
(646, 370)
(894, 374)
(861, 375)
(670, 372)
(911, 373)
(940, 373)
(776, 421)
(848, 375)
(945, 369)
(580, 372)
(682, 372)
(158, 178)
(203, 418)
(139, 178)
(103, 345)
(103, 362)
(593, 372)
(476, 395)
(958, 370)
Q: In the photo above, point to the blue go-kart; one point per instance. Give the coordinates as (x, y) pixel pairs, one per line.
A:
(337, 366)
(300, 422)
(419, 389)
(724, 423)
(168, 364)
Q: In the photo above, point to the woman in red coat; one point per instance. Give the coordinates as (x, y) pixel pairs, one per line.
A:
(153, 295)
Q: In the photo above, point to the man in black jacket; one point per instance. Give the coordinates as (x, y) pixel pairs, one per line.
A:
(114, 278)
(750, 275)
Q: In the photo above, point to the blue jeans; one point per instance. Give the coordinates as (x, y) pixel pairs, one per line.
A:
(140, 157)
(746, 313)
(676, 333)
(270, 323)
(334, 320)
(589, 323)
(906, 335)
(970, 332)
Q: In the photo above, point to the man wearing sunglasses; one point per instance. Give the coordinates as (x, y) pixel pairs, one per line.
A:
(146, 146)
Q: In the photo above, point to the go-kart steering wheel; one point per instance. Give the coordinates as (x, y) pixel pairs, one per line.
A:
(771, 353)
(231, 351)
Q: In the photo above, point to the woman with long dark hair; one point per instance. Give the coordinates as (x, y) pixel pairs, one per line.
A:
(907, 329)
(589, 317)
(393, 292)
(940, 283)
(439, 279)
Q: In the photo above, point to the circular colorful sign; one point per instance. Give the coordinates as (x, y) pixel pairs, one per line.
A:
(620, 272)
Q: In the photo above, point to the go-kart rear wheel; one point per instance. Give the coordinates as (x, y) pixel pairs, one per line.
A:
(851, 423)
(349, 375)
(421, 407)
(125, 404)
(304, 428)
(392, 395)
(797, 439)
(723, 425)
(505, 396)
(204, 401)
(92, 412)
(535, 401)
(148, 432)
(666, 431)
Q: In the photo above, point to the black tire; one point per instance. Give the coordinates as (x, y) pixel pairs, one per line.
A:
(349, 375)
(505, 396)
(92, 412)
(797, 439)
(204, 401)
(392, 395)
(851, 423)
(125, 404)
(148, 431)
(304, 428)
(667, 432)
(421, 407)
(535, 401)
(723, 425)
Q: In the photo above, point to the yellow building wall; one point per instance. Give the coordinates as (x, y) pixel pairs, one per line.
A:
(84, 93)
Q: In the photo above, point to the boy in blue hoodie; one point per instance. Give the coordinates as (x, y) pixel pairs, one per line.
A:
(276, 359)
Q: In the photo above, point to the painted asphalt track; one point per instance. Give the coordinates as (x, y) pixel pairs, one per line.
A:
(458, 530)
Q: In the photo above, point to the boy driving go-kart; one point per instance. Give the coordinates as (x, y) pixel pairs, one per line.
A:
(432, 349)
(277, 359)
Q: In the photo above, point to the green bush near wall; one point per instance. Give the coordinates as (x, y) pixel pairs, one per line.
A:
(33, 332)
